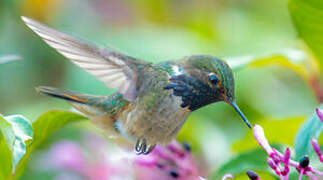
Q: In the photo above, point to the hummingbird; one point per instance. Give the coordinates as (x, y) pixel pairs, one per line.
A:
(152, 101)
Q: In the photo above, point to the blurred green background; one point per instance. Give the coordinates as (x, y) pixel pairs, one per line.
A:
(277, 90)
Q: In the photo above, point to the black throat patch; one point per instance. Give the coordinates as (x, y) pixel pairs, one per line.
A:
(195, 93)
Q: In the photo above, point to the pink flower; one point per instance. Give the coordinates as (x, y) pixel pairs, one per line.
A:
(67, 154)
(167, 163)
(273, 165)
(319, 113)
(276, 158)
(286, 162)
(259, 135)
(96, 160)
(317, 149)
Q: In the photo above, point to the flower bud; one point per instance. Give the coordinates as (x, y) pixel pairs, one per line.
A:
(252, 175)
(319, 113)
(259, 135)
(317, 149)
(286, 162)
(304, 161)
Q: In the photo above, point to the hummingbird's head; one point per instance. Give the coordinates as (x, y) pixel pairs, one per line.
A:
(213, 82)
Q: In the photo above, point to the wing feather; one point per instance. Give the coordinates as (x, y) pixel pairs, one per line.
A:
(114, 69)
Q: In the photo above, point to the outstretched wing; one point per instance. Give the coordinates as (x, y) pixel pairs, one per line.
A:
(114, 69)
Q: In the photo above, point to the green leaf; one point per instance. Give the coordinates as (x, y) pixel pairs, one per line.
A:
(45, 126)
(307, 16)
(16, 131)
(5, 156)
(7, 132)
(251, 160)
(22, 133)
(50, 122)
(311, 128)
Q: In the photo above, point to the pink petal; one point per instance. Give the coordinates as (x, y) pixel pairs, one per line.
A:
(166, 162)
(317, 149)
(259, 135)
(286, 162)
(273, 166)
(319, 113)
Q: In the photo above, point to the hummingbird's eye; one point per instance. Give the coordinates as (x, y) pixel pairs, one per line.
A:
(213, 79)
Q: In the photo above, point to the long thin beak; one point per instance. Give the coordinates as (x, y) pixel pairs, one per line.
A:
(235, 106)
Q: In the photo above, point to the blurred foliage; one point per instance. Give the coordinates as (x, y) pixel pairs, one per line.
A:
(19, 137)
(278, 79)
(45, 126)
(243, 162)
(9, 58)
(307, 16)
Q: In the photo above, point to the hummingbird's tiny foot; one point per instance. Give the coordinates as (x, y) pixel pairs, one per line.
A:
(141, 146)
(149, 149)
(138, 145)
(144, 146)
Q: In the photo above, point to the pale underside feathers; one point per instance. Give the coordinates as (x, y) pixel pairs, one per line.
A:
(114, 69)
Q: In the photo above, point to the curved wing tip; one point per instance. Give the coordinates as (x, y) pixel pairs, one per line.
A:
(28, 21)
(25, 19)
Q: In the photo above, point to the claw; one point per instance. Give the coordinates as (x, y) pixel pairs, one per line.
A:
(138, 145)
(149, 149)
(142, 147)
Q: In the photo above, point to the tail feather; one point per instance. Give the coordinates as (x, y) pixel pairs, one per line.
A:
(100, 109)
(90, 105)
(63, 94)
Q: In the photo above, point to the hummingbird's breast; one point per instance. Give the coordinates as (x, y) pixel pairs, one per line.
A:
(156, 114)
